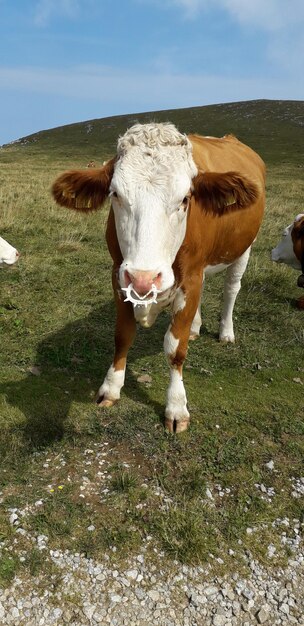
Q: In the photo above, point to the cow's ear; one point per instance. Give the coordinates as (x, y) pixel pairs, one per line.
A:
(84, 190)
(222, 193)
(298, 228)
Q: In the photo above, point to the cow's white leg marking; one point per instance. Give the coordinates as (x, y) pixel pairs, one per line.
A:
(109, 391)
(176, 408)
(179, 301)
(176, 413)
(170, 343)
(232, 287)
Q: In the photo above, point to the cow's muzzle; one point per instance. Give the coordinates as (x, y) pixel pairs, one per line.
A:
(143, 281)
(141, 287)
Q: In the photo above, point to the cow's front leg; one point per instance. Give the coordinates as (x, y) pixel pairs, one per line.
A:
(109, 392)
(197, 320)
(175, 345)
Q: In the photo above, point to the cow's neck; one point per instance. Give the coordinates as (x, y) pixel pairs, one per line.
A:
(146, 315)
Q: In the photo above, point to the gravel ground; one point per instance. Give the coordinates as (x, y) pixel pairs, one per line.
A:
(144, 593)
(149, 589)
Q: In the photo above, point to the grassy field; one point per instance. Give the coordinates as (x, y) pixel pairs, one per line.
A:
(56, 343)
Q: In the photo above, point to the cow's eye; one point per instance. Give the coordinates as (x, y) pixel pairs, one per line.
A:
(185, 202)
(114, 194)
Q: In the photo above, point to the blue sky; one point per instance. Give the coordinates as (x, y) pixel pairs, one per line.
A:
(64, 61)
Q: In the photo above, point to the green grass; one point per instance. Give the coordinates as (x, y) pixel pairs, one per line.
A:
(57, 316)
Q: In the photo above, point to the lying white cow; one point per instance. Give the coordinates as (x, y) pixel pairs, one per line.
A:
(290, 250)
(8, 254)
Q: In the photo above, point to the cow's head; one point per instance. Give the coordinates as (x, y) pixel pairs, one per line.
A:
(8, 254)
(290, 250)
(150, 183)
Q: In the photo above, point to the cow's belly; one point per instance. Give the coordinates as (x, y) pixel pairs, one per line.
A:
(215, 269)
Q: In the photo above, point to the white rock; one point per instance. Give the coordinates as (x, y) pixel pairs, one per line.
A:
(154, 595)
(247, 593)
(219, 620)
(114, 597)
(211, 590)
(284, 608)
(99, 617)
(132, 573)
(263, 614)
(271, 550)
(270, 465)
(209, 494)
(89, 610)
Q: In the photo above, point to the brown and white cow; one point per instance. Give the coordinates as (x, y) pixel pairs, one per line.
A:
(182, 207)
(290, 250)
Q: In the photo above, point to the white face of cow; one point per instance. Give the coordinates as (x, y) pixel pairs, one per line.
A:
(8, 254)
(284, 252)
(150, 192)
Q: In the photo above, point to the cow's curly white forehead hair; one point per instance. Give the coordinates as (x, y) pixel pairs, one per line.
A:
(153, 136)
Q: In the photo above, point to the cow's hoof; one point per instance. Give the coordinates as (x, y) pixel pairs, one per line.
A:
(193, 336)
(181, 426)
(104, 402)
(176, 426)
(227, 339)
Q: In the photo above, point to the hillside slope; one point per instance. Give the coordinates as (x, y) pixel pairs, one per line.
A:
(274, 128)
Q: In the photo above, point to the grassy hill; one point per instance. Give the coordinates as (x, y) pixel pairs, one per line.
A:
(274, 128)
(56, 343)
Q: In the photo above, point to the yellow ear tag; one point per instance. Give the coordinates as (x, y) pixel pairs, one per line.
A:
(230, 201)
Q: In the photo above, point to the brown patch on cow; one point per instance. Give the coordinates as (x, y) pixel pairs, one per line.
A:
(300, 281)
(222, 193)
(297, 235)
(298, 228)
(84, 190)
(300, 303)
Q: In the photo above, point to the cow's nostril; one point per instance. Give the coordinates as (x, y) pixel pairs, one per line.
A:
(157, 280)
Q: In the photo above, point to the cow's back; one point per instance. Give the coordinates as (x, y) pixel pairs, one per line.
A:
(227, 154)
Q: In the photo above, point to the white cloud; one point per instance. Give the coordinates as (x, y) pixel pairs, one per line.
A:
(281, 22)
(46, 9)
(135, 91)
(265, 14)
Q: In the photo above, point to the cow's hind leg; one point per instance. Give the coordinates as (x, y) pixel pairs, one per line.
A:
(197, 320)
(232, 287)
(109, 392)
